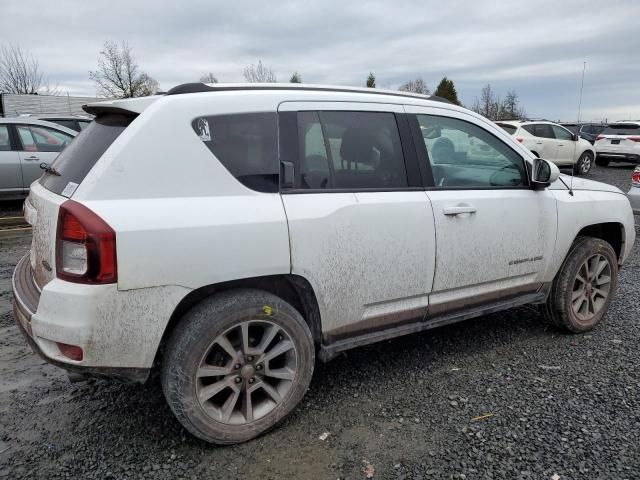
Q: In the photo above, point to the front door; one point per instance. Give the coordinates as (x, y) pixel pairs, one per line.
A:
(360, 225)
(494, 235)
(566, 145)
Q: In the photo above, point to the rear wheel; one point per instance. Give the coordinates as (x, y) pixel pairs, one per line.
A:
(236, 365)
(601, 162)
(583, 288)
(584, 164)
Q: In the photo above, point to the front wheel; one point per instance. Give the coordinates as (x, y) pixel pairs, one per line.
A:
(584, 164)
(583, 288)
(236, 365)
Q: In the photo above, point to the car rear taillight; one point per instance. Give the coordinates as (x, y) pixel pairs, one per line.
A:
(520, 139)
(85, 246)
(71, 351)
(634, 139)
(600, 137)
(635, 177)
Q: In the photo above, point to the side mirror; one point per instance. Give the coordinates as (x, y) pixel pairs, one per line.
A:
(543, 173)
(576, 137)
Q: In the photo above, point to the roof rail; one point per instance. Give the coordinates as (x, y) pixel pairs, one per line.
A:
(221, 87)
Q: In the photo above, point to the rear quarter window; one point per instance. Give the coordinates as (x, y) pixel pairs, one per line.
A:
(510, 129)
(246, 144)
(84, 151)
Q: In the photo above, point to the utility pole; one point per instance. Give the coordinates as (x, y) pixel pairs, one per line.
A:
(584, 67)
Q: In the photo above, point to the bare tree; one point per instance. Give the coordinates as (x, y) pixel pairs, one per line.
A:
(488, 104)
(20, 73)
(118, 74)
(208, 78)
(415, 86)
(259, 73)
(510, 108)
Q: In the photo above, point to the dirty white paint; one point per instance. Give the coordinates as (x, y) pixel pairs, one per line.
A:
(360, 249)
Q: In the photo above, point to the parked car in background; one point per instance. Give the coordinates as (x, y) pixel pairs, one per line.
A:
(553, 142)
(634, 193)
(232, 234)
(588, 131)
(74, 122)
(26, 143)
(619, 142)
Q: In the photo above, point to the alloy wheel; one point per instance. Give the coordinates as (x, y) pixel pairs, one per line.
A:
(246, 372)
(585, 165)
(591, 287)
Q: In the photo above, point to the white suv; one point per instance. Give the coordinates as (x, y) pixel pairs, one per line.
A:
(231, 234)
(553, 142)
(619, 142)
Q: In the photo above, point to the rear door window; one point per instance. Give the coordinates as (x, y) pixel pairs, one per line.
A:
(541, 130)
(246, 144)
(81, 155)
(350, 151)
(35, 138)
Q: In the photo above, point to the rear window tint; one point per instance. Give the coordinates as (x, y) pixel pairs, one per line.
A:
(510, 129)
(81, 155)
(622, 129)
(65, 123)
(246, 144)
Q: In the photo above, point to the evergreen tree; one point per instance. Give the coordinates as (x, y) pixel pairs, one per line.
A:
(371, 80)
(446, 89)
(295, 78)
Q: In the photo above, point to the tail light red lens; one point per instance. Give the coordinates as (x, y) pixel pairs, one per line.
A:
(634, 139)
(520, 139)
(635, 177)
(85, 246)
(600, 137)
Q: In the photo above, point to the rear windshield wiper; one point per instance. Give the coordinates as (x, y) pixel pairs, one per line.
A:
(49, 169)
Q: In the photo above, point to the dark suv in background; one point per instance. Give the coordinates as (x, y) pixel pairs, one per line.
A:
(588, 131)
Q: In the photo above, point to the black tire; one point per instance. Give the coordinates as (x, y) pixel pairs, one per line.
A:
(192, 343)
(601, 162)
(584, 164)
(559, 308)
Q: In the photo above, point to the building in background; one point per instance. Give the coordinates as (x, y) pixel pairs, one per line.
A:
(13, 105)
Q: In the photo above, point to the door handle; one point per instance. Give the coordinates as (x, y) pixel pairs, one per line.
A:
(459, 210)
(32, 158)
(538, 143)
(561, 144)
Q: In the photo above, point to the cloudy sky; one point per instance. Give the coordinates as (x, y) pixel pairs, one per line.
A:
(536, 48)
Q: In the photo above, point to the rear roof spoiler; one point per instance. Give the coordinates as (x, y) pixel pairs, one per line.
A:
(125, 106)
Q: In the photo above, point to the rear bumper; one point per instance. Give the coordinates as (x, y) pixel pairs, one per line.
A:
(619, 157)
(42, 334)
(634, 199)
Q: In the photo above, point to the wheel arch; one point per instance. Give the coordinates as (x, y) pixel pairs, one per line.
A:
(294, 289)
(611, 232)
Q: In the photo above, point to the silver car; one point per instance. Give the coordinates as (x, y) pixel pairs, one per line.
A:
(26, 143)
(634, 193)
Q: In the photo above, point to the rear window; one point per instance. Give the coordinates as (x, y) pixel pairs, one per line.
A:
(246, 144)
(510, 129)
(65, 123)
(81, 155)
(622, 129)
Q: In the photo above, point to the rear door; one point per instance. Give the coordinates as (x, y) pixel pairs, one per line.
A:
(544, 144)
(494, 235)
(361, 227)
(10, 169)
(39, 144)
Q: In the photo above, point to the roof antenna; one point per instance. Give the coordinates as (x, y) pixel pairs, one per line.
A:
(575, 144)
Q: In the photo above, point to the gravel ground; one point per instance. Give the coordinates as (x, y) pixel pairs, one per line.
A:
(502, 396)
